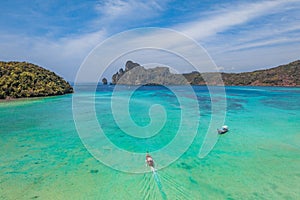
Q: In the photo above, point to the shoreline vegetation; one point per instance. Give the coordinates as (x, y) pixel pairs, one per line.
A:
(134, 74)
(26, 80)
(22, 80)
(10, 99)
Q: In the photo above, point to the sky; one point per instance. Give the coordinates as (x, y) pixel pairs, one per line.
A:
(238, 36)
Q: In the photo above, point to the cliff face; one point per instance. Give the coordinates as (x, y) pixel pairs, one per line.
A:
(134, 74)
(21, 79)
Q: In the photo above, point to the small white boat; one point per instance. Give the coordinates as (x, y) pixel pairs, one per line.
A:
(223, 130)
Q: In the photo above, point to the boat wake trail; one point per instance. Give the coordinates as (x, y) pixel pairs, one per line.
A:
(176, 190)
(152, 186)
(163, 185)
(158, 183)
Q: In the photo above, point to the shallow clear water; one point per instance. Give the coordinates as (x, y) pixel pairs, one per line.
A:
(43, 157)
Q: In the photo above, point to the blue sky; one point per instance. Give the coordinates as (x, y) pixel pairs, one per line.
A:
(238, 35)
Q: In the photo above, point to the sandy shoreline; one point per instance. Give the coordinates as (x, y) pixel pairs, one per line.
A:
(28, 98)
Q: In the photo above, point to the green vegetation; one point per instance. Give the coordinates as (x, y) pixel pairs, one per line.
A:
(284, 75)
(21, 79)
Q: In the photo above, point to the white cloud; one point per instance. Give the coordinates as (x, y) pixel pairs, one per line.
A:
(118, 14)
(63, 56)
(241, 50)
(264, 34)
(149, 45)
(267, 42)
(258, 58)
(121, 8)
(230, 17)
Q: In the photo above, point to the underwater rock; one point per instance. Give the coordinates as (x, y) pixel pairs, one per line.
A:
(185, 166)
(94, 171)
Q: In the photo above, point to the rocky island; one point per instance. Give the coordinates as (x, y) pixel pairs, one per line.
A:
(135, 74)
(22, 79)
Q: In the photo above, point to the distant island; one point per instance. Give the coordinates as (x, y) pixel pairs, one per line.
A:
(22, 79)
(135, 74)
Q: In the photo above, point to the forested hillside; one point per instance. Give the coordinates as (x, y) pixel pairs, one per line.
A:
(21, 79)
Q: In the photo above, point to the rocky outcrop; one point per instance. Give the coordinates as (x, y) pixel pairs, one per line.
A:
(134, 74)
(104, 81)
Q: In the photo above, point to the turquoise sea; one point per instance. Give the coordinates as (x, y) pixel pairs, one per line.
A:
(43, 157)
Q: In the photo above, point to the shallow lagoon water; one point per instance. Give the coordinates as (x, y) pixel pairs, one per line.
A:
(42, 156)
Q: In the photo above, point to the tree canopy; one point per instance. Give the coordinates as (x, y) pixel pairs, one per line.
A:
(22, 79)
